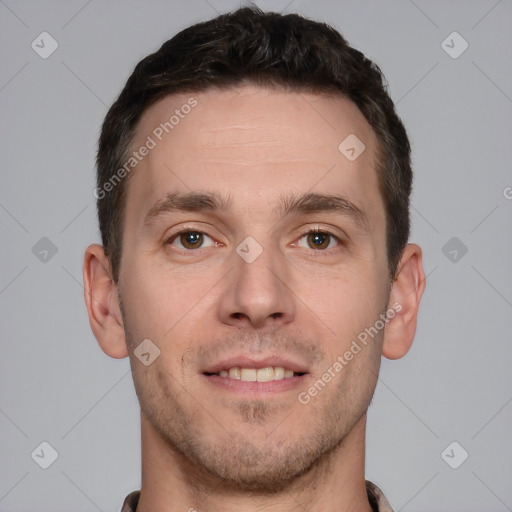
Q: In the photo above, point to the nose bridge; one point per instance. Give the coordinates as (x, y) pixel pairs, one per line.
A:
(257, 293)
(255, 262)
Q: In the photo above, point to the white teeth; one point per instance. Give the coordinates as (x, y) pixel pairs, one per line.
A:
(265, 374)
(234, 373)
(278, 373)
(260, 375)
(248, 374)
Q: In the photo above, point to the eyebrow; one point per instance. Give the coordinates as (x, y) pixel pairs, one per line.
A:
(289, 204)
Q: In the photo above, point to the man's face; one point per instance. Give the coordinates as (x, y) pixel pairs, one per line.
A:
(246, 287)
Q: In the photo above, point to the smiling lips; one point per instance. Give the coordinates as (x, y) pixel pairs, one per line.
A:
(247, 369)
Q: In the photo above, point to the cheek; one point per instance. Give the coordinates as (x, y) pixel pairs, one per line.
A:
(158, 302)
(347, 304)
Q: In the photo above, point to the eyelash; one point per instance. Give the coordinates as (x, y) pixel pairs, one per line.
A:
(313, 231)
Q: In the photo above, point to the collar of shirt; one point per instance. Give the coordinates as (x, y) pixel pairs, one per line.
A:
(376, 498)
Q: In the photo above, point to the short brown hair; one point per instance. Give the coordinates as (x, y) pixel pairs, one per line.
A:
(269, 50)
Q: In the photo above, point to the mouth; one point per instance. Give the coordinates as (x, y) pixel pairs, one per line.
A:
(246, 375)
(265, 374)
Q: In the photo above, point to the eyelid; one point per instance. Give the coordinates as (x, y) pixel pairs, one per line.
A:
(168, 240)
(317, 229)
(324, 231)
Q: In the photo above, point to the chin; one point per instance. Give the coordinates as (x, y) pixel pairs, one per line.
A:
(267, 468)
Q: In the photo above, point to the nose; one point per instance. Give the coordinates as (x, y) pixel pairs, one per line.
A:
(257, 292)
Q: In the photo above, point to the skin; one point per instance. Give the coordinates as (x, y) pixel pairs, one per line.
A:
(208, 447)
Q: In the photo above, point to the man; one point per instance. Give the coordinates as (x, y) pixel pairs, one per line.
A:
(253, 194)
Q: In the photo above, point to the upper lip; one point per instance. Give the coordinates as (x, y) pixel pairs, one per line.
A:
(246, 361)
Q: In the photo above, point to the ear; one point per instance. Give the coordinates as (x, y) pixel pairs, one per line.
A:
(406, 292)
(102, 302)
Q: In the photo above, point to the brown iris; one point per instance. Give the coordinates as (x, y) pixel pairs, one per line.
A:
(191, 239)
(319, 240)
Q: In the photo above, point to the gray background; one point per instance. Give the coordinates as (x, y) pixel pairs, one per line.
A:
(455, 385)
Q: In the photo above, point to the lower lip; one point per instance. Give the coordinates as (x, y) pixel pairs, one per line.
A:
(256, 388)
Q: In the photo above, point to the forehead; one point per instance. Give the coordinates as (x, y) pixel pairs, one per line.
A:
(258, 144)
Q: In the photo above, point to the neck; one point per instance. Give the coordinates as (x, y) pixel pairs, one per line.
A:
(171, 482)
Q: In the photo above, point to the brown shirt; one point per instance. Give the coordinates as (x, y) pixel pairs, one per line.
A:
(376, 498)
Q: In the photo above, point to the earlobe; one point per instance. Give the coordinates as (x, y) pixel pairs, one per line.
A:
(101, 299)
(406, 292)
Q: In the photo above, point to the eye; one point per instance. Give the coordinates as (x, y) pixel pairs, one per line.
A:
(319, 240)
(190, 240)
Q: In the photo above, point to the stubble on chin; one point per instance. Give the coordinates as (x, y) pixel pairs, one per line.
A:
(229, 456)
(214, 443)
